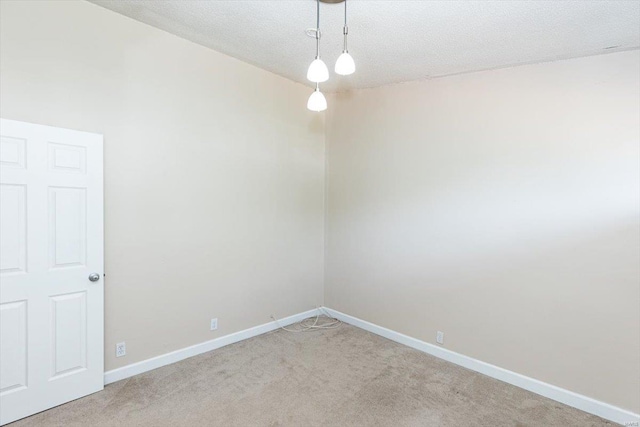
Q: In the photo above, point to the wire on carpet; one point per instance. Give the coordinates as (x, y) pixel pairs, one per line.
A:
(321, 321)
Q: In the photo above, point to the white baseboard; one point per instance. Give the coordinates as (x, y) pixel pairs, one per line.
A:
(584, 403)
(184, 353)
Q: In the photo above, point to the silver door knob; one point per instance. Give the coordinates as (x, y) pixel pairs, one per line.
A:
(94, 277)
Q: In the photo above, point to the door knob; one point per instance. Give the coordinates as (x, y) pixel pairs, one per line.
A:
(94, 277)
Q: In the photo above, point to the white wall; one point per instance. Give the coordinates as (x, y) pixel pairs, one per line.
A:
(214, 171)
(499, 207)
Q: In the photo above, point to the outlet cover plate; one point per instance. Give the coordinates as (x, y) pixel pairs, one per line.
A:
(121, 349)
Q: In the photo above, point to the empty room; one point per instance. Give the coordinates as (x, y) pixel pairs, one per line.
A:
(319, 213)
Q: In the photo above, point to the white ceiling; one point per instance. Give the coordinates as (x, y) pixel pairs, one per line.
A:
(395, 40)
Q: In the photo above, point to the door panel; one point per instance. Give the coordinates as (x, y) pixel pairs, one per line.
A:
(13, 229)
(67, 227)
(67, 158)
(13, 346)
(51, 220)
(13, 152)
(69, 334)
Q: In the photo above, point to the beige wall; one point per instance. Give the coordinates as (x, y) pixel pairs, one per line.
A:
(499, 207)
(214, 171)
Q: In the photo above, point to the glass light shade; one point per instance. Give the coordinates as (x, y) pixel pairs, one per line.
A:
(318, 71)
(345, 64)
(317, 101)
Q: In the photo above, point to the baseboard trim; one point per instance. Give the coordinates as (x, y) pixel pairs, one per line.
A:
(584, 403)
(184, 353)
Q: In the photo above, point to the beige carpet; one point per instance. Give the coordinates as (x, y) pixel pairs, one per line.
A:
(341, 377)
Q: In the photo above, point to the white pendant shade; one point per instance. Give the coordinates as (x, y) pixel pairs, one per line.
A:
(345, 64)
(317, 101)
(318, 71)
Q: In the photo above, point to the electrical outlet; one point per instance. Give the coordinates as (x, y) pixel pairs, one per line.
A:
(121, 349)
(440, 337)
(214, 324)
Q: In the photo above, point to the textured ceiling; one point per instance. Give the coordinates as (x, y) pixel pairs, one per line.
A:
(395, 40)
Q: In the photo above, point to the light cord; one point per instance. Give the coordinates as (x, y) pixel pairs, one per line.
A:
(318, 29)
(312, 323)
(345, 30)
(345, 13)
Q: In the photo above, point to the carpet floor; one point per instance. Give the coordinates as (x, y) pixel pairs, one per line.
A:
(339, 377)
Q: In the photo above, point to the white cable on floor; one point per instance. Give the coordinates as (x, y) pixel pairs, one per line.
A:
(311, 324)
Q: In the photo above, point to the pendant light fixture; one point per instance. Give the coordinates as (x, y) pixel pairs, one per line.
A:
(345, 64)
(318, 71)
(317, 101)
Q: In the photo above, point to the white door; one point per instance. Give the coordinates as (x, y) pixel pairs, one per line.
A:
(51, 241)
